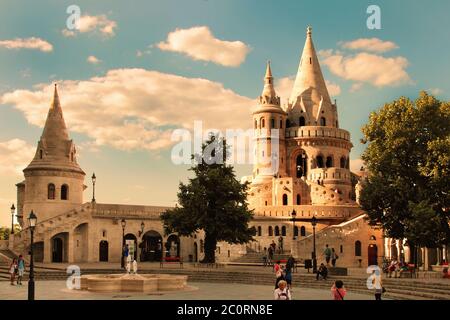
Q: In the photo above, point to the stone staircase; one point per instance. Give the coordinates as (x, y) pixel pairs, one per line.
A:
(256, 258)
(399, 289)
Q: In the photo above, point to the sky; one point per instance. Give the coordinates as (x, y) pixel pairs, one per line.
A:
(131, 72)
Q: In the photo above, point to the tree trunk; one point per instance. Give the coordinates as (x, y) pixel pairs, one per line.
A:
(210, 249)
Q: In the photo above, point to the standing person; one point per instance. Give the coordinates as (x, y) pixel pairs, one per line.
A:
(290, 264)
(20, 269)
(378, 288)
(13, 270)
(338, 290)
(270, 255)
(274, 246)
(265, 257)
(126, 252)
(282, 292)
(334, 257)
(327, 254)
(278, 273)
(280, 244)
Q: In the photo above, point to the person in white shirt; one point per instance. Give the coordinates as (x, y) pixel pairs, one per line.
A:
(282, 293)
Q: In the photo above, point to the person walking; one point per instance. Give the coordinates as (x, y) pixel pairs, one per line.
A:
(20, 269)
(13, 270)
(338, 290)
(290, 265)
(334, 257)
(270, 255)
(278, 270)
(282, 292)
(327, 254)
(126, 252)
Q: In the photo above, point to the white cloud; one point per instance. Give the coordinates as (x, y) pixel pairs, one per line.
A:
(372, 44)
(356, 164)
(283, 88)
(93, 60)
(88, 23)
(368, 68)
(27, 43)
(136, 108)
(15, 154)
(200, 44)
(435, 91)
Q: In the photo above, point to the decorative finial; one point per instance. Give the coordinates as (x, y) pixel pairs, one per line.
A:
(309, 30)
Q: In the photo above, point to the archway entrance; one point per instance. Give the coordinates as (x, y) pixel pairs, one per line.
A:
(59, 247)
(372, 254)
(103, 251)
(173, 246)
(131, 241)
(301, 165)
(151, 246)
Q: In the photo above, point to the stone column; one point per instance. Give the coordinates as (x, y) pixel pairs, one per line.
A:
(47, 249)
(71, 247)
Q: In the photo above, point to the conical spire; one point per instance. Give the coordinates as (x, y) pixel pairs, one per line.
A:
(55, 129)
(309, 82)
(269, 90)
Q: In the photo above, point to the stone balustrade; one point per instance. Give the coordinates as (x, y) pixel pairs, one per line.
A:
(308, 211)
(317, 131)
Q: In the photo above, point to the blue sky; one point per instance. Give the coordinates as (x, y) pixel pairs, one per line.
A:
(275, 30)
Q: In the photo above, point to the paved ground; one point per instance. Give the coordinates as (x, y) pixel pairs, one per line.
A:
(56, 290)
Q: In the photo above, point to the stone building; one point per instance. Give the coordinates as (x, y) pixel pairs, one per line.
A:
(309, 174)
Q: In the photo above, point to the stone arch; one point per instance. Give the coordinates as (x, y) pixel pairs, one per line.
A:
(283, 231)
(358, 251)
(277, 231)
(301, 164)
(59, 247)
(270, 231)
(301, 121)
(302, 231)
(319, 161)
(51, 191)
(103, 251)
(329, 162)
(131, 240)
(152, 246)
(64, 192)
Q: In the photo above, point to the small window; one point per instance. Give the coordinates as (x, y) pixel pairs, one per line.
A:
(303, 231)
(51, 191)
(64, 192)
(272, 123)
(301, 121)
(295, 231)
(283, 231)
(358, 248)
(341, 249)
(285, 200)
(41, 154)
(263, 123)
(343, 161)
(259, 231)
(323, 122)
(319, 160)
(281, 124)
(329, 162)
(270, 231)
(104, 233)
(310, 60)
(298, 199)
(277, 231)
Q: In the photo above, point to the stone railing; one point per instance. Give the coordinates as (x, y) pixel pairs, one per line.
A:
(332, 173)
(338, 212)
(127, 211)
(317, 131)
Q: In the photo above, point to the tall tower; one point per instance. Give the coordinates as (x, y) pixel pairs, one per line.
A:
(318, 150)
(53, 180)
(269, 130)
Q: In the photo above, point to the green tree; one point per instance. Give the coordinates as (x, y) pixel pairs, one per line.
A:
(408, 156)
(213, 201)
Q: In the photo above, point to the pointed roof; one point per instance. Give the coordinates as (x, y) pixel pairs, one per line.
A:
(55, 149)
(309, 79)
(268, 100)
(269, 90)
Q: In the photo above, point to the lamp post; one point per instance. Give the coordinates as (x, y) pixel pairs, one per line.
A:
(293, 219)
(94, 179)
(313, 223)
(123, 223)
(32, 223)
(13, 210)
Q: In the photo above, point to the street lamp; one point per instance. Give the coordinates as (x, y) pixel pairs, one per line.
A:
(123, 223)
(13, 210)
(32, 223)
(313, 223)
(94, 179)
(293, 219)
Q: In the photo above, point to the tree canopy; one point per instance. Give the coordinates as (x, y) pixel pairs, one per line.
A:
(408, 156)
(213, 201)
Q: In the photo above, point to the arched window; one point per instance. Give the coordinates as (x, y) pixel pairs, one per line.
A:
(295, 231)
(358, 248)
(341, 249)
(285, 200)
(301, 165)
(319, 160)
(64, 192)
(342, 162)
(272, 123)
(259, 231)
(51, 191)
(301, 121)
(329, 162)
(263, 123)
(270, 231)
(298, 199)
(303, 231)
(41, 154)
(323, 122)
(281, 124)
(283, 231)
(277, 231)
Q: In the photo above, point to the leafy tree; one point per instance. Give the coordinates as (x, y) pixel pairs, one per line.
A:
(408, 156)
(213, 201)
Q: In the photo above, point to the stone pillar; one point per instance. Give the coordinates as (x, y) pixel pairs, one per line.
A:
(71, 247)
(47, 249)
